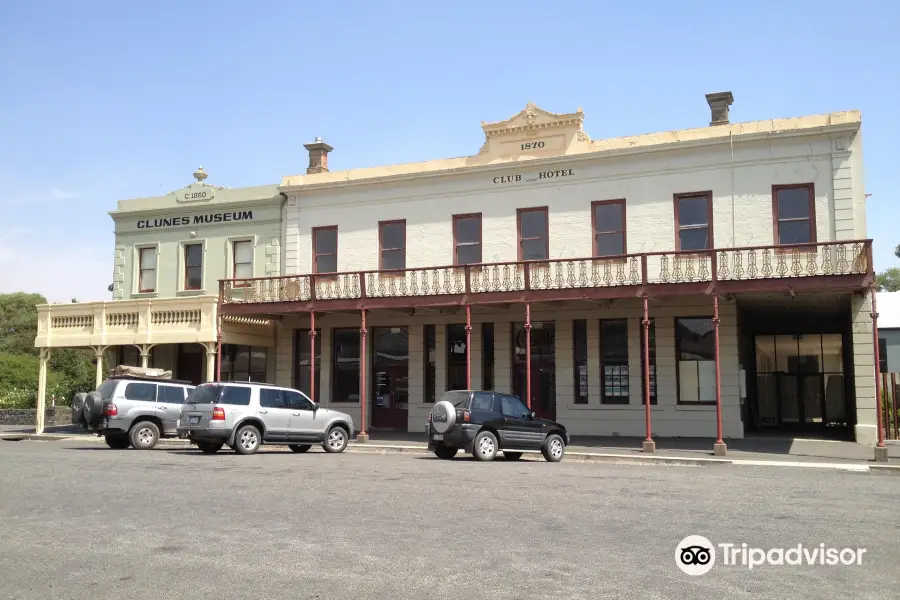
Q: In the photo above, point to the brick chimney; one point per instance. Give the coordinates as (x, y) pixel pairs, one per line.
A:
(718, 105)
(318, 156)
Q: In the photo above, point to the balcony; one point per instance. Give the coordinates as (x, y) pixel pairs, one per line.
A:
(804, 267)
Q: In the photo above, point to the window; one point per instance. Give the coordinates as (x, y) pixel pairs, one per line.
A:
(466, 239)
(243, 363)
(193, 266)
(242, 256)
(325, 244)
(652, 335)
(301, 364)
(170, 394)
(345, 365)
(235, 396)
(487, 356)
(513, 407)
(147, 270)
(483, 401)
(430, 364)
(271, 399)
(693, 221)
(614, 361)
(392, 245)
(882, 355)
(456, 357)
(579, 335)
(794, 208)
(695, 360)
(608, 219)
(533, 234)
(298, 401)
(141, 392)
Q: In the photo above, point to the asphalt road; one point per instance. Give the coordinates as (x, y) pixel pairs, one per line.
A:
(82, 521)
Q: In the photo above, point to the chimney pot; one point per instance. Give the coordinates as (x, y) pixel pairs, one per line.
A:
(718, 106)
(318, 156)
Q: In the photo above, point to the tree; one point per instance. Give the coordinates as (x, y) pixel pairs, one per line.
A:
(888, 280)
(18, 322)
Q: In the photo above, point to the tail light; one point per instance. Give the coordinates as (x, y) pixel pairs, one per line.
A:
(218, 414)
(110, 410)
(429, 417)
(463, 416)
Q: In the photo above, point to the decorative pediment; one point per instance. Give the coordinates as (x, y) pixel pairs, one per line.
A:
(534, 132)
(533, 118)
(199, 191)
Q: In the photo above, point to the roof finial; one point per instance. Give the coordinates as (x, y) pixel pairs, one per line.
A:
(200, 175)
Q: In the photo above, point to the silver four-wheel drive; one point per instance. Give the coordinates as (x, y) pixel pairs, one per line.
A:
(133, 410)
(245, 415)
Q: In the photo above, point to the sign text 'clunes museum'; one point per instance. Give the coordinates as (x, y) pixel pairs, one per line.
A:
(223, 217)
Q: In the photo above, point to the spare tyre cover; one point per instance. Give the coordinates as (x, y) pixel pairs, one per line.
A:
(78, 407)
(443, 416)
(93, 408)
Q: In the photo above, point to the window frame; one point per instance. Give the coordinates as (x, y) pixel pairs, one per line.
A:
(520, 239)
(595, 234)
(709, 221)
(301, 340)
(185, 267)
(678, 400)
(811, 217)
(654, 389)
(335, 331)
(577, 398)
(315, 231)
(614, 400)
(140, 270)
(232, 350)
(382, 249)
(429, 341)
(234, 261)
(457, 243)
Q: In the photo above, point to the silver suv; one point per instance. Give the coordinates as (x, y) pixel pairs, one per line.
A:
(135, 411)
(245, 415)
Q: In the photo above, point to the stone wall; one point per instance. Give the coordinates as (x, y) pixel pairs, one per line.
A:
(57, 415)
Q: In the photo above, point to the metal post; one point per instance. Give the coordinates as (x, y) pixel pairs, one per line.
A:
(312, 355)
(719, 449)
(881, 454)
(528, 355)
(362, 436)
(649, 444)
(219, 349)
(468, 347)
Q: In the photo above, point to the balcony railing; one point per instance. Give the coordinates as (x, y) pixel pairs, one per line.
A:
(720, 265)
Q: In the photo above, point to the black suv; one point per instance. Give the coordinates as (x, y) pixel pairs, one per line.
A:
(483, 423)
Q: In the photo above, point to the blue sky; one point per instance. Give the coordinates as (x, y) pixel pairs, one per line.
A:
(102, 101)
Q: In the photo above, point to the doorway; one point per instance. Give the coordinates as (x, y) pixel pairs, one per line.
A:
(191, 362)
(543, 367)
(390, 377)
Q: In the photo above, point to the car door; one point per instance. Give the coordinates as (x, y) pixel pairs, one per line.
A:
(520, 429)
(274, 414)
(304, 425)
(169, 400)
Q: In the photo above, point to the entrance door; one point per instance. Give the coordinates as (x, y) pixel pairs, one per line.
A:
(543, 367)
(191, 359)
(390, 377)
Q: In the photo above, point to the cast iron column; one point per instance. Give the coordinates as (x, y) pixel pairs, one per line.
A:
(649, 444)
(528, 355)
(219, 349)
(719, 449)
(468, 347)
(881, 453)
(362, 436)
(312, 355)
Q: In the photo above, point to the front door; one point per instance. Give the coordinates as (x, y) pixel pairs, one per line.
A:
(275, 414)
(543, 367)
(304, 426)
(191, 358)
(520, 431)
(390, 377)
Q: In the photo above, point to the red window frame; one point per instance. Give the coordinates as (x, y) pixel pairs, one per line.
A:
(382, 249)
(709, 220)
(141, 270)
(811, 217)
(188, 266)
(597, 234)
(315, 255)
(457, 243)
(519, 213)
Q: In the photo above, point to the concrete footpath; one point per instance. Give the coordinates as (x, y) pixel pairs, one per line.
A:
(761, 451)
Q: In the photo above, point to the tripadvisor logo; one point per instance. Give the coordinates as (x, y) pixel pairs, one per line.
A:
(696, 555)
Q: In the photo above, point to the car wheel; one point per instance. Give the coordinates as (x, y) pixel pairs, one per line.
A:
(300, 447)
(246, 440)
(554, 448)
(144, 435)
(209, 447)
(117, 441)
(335, 439)
(445, 452)
(485, 446)
(512, 455)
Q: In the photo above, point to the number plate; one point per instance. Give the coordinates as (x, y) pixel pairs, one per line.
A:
(194, 420)
(437, 436)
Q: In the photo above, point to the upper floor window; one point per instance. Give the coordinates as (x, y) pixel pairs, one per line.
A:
(608, 219)
(325, 244)
(534, 237)
(242, 253)
(392, 245)
(693, 221)
(467, 239)
(147, 270)
(794, 208)
(193, 266)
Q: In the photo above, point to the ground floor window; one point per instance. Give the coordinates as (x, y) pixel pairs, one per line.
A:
(882, 356)
(614, 383)
(301, 364)
(580, 360)
(243, 363)
(695, 356)
(652, 335)
(456, 357)
(127, 356)
(487, 356)
(430, 364)
(543, 366)
(345, 365)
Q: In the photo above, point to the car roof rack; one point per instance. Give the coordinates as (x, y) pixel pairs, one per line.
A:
(150, 379)
(259, 383)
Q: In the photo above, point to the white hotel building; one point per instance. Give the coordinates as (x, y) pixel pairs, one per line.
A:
(529, 267)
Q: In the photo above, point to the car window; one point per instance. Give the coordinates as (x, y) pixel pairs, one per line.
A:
(513, 407)
(483, 401)
(141, 392)
(204, 394)
(170, 394)
(458, 398)
(106, 389)
(298, 401)
(271, 398)
(237, 396)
